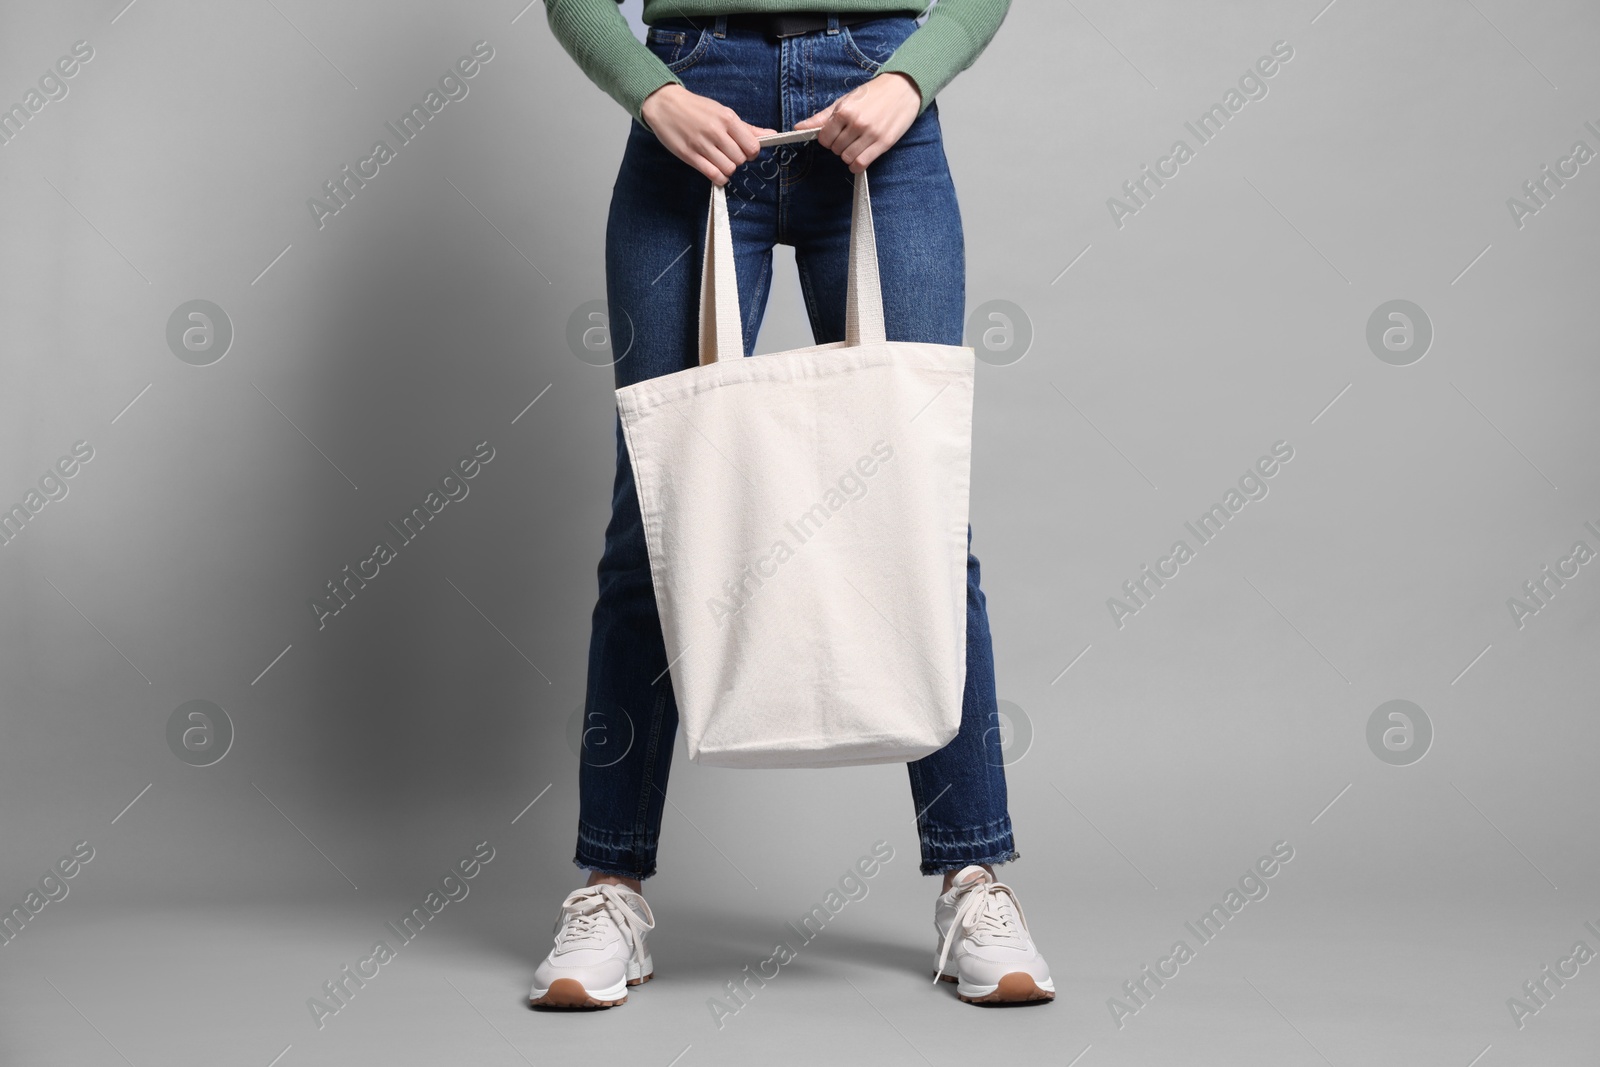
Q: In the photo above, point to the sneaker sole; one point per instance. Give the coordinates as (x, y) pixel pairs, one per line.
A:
(1018, 987)
(569, 993)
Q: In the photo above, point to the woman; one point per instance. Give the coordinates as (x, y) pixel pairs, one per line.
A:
(704, 85)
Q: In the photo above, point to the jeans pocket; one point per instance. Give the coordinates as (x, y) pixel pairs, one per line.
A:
(678, 49)
(871, 43)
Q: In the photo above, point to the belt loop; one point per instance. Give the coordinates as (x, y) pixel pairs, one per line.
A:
(833, 24)
(720, 27)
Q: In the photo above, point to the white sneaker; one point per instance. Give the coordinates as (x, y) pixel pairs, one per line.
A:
(984, 944)
(599, 949)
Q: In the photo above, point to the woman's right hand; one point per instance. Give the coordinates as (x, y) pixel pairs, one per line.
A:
(707, 135)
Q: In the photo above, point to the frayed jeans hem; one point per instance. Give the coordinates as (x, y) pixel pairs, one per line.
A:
(942, 867)
(624, 856)
(950, 850)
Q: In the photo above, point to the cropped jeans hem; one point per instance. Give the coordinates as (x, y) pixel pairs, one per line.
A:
(608, 852)
(950, 850)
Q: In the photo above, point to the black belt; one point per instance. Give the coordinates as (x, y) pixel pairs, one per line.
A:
(794, 23)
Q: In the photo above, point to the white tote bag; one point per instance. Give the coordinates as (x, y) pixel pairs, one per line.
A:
(806, 519)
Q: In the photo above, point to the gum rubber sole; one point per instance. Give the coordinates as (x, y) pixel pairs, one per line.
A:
(1018, 987)
(569, 993)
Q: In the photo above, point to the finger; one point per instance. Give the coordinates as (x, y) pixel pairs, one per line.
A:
(856, 139)
(718, 158)
(849, 136)
(819, 119)
(846, 129)
(828, 126)
(829, 132)
(744, 139)
(759, 131)
(713, 174)
(727, 143)
(864, 157)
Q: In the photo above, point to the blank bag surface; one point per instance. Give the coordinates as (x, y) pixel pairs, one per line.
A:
(806, 519)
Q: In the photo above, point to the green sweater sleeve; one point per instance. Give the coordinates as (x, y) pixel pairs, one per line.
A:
(956, 32)
(596, 35)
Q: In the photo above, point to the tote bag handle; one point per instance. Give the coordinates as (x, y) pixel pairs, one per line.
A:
(721, 327)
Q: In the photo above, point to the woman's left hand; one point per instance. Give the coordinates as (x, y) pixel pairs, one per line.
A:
(865, 123)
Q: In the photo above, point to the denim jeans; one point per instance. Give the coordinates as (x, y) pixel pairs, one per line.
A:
(799, 195)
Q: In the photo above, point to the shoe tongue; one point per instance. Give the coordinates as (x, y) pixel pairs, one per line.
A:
(634, 901)
(588, 898)
(971, 875)
(588, 903)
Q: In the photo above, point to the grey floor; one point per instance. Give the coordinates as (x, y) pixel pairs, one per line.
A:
(1310, 982)
(1356, 955)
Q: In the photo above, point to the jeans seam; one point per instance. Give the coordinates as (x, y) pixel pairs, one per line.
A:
(918, 791)
(803, 270)
(646, 798)
(757, 298)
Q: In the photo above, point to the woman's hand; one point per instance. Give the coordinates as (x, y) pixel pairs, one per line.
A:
(707, 135)
(865, 123)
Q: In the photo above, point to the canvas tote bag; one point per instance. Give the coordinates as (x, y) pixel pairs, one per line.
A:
(806, 519)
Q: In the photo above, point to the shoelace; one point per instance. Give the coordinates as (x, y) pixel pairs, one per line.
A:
(586, 911)
(986, 909)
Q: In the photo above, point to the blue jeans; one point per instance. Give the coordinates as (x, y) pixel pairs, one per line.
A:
(798, 195)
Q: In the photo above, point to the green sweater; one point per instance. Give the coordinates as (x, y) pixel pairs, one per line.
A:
(596, 35)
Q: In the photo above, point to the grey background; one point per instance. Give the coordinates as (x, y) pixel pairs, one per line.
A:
(1231, 713)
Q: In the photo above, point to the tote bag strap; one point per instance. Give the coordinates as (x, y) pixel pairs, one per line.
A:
(721, 329)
